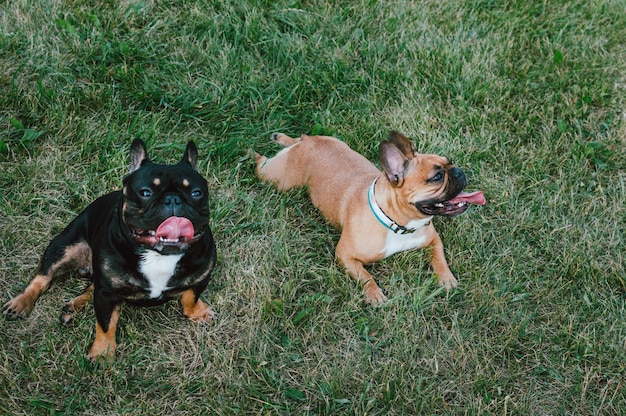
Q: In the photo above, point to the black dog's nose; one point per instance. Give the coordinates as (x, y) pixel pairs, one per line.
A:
(172, 200)
(173, 204)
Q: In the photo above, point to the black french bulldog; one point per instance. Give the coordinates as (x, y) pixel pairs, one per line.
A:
(143, 245)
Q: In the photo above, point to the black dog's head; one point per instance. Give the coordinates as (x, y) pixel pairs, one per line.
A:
(165, 206)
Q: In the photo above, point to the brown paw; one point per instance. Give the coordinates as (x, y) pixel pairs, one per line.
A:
(18, 307)
(67, 314)
(101, 352)
(447, 281)
(374, 296)
(201, 313)
(283, 139)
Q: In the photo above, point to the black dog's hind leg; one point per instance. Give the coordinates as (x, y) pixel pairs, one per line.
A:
(66, 252)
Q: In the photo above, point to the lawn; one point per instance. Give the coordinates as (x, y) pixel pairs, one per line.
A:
(528, 97)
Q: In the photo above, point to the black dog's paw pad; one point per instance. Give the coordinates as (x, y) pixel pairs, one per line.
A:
(67, 314)
(14, 310)
(11, 315)
(85, 272)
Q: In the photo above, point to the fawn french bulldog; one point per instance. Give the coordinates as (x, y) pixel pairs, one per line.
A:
(378, 213)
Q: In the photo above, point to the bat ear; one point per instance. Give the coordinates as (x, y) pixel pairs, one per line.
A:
(191, 155)
(403, 143)
(393, 162)
(138, 155)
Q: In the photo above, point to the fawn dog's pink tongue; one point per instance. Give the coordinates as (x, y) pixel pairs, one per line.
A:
(471, 198)
(175, 228)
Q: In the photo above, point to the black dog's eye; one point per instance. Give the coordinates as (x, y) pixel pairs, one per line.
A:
(145, 192)
(196, 193)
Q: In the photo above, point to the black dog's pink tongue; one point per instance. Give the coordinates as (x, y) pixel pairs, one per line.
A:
(174, 228)
(471, 198)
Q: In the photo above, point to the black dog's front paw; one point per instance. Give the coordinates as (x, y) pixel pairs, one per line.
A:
(10, 314)
(19, 307)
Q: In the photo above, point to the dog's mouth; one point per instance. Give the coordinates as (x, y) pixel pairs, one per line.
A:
(174, 232)
(454, 206)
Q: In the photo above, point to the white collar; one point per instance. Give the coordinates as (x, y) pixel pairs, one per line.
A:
(382, 217)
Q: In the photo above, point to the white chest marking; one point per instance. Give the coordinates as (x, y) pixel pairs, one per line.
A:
(397, 243)
(158, 269)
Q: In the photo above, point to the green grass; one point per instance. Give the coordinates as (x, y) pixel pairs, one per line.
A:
(527, 96)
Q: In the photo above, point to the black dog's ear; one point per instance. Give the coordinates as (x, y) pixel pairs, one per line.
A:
(393, 162)
(138, 155)
(403, 143)
(191, 155)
